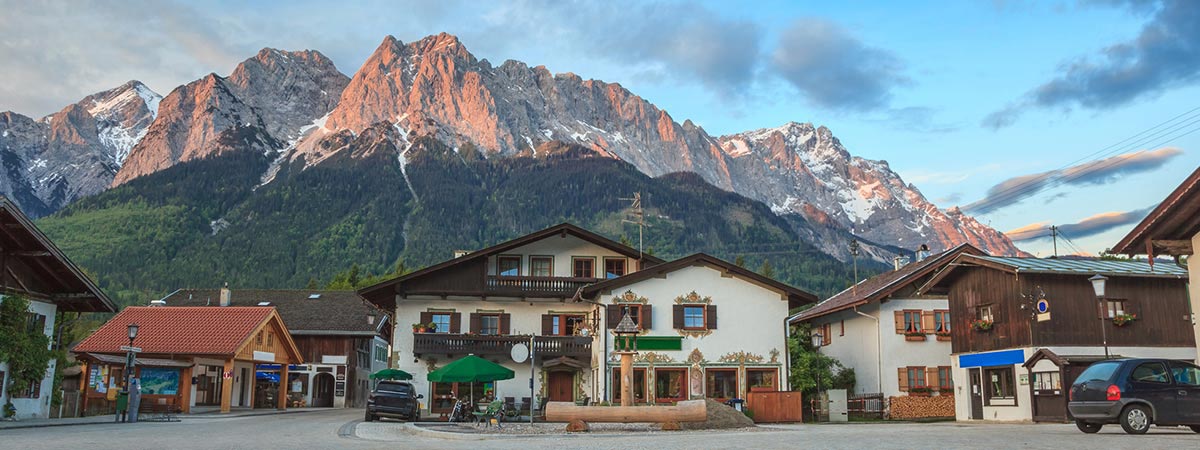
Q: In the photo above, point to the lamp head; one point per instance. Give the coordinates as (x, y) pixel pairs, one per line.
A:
(1098, 282)
(817, 338)
(133, 331)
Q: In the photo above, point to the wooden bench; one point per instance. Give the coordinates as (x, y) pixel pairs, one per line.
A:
(159, 410)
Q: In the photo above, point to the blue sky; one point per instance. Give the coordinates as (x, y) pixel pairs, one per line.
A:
(958, 96)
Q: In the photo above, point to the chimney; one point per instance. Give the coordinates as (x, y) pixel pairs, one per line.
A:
(461, 253)
(922, 252)
(226, 295)
(899, 262)
(159, 302)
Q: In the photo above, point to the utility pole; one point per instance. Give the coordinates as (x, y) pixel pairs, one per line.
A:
(854, 256)
(1054, 237)
(638, 217)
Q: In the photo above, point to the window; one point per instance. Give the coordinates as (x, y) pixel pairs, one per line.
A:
(912, 321)
(941, 321)
(509, 266)
(984, 313)
(1114, 308)
(639, 385)
(562, 324)
(693, 317)
(584, 267)
(35, 323)
(381, 353)
(761, 379)
(945, 380)
(1185, 374)
(634, 311)
(1101, 371)
(999, 386)
(34, 390)
(441, 321)
(541, 266)
(363, 350)
(489, 324)
(721, 384)
(1150, 373)
(270, 339)
(1047, 381)
(670, 385)
(916, 377)
(614, 267)
(826, 335)
(258, 339)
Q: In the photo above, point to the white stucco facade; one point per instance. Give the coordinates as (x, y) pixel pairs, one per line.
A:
(858, 337)
(37, 407)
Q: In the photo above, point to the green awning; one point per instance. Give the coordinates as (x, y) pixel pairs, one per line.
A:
(471, 369)
(660, 343)
(391, 374)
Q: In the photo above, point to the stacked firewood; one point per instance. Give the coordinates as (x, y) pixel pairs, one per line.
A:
(915, 407)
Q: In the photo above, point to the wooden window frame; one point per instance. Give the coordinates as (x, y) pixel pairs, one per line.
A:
(703, 317)
(635, 312)
(591, 259)
(991, 313)
(562, 323)
(483, 327)
(499, 268)
(449, 321)
(616, 378)
(624, 266)
(918, 328)
(948, 388)
(941, 319)
(549, 272)
(683, 389)
(987, 385)
(1114, 306)
(920, 381)
(774, 383)
(736, 381)
(826, 334)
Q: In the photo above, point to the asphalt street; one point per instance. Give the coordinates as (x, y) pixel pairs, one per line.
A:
(343, 429)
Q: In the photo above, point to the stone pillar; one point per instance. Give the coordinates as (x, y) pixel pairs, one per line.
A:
(227, 385)
(626, 379)
(283, 385)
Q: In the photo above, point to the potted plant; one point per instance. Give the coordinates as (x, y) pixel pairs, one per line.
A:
(1121, 320)
(981, 325)
(914, 335)
(919, 391)
(419, 328)
(943, 335)
(431, 327)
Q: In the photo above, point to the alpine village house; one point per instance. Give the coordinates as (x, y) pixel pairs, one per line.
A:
(895, 338)
(342, 339)
(707, 327)
(34, 268)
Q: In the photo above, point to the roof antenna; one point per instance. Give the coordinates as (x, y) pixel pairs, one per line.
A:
(636, 216)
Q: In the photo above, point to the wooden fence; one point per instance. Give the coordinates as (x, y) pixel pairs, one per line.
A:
(773, 407)
(866, 406)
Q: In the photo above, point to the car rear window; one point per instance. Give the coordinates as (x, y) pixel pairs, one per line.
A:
(1101, 371)
(394, 387)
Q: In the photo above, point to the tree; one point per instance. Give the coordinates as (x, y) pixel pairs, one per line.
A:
(766, 270)
(24, 348)
(740, 261)
(312, 284)
(809, 365)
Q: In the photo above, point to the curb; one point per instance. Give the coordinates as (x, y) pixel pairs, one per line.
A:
(179, 418)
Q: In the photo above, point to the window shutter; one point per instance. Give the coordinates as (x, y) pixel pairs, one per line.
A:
(827, 331)
(902, 377)
(931, 377)
(504, 323)
(647, 320)
(899, 322)
(456, 323)
(711, 319)
(677, 317)
(475, 323)
(927, 325)
(426, 317)
(613, 316)
(547, 325)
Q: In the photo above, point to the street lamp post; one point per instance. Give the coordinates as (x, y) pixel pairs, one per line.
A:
(129, 364)
(817, 340)
(1098, 282)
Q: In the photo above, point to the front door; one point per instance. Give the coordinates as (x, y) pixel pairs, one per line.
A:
(1152, 382)
(976, 394)
(323, 390)
(561, 386)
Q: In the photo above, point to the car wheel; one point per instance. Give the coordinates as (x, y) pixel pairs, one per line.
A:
(370, 418)
(1088, 427)
(1135, 419)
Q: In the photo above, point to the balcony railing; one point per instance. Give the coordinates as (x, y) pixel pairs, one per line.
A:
(462, 344)
(533, 286)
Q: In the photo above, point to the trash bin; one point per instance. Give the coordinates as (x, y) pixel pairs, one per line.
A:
(122, 405)
(736, 403)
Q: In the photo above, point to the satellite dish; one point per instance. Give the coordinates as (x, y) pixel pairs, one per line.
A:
(520, 352)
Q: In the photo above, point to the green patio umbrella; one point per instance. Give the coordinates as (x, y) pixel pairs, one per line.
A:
(471, 369)
(391, 374)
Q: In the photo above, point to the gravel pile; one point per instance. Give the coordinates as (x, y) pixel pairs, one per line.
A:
(720, 417)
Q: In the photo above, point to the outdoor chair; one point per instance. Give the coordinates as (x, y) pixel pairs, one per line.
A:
(526, 406)
(493, 412)
(510, 409)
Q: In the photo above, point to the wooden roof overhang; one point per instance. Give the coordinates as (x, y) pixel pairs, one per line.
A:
(32, 266)
(383, 294)
(794, 296)
(1169, 228)
(968, 260)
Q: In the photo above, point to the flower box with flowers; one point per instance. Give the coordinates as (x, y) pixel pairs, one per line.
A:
(911, 335)
(981, 325)
(943, 335)
(1121, 320)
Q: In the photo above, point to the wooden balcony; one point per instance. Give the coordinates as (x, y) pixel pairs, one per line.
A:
(522, 286)
(461, 344)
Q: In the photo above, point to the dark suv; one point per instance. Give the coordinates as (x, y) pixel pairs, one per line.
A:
(394, 399)
(1136, 393)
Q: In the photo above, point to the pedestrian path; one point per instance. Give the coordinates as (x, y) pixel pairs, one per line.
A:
(109, 418)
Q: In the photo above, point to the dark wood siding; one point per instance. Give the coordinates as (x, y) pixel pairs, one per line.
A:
(1161, 305)
(466, 278)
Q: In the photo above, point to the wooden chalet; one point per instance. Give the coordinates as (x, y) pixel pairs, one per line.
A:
(218, 347)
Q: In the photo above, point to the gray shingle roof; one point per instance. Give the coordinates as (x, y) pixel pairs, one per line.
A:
(331, 312)
(1090, 266)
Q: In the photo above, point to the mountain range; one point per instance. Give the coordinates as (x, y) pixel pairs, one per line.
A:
(296, 111)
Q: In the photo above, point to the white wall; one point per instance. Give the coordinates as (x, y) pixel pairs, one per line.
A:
(33, 408)
(750, 318)
(899, 352)
(858, 347)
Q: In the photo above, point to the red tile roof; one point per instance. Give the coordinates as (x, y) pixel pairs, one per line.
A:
(179, 330)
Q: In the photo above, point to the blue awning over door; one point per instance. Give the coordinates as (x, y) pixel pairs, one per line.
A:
(1000, 358)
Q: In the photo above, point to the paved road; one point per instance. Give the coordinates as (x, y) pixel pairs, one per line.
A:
(341, 429)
